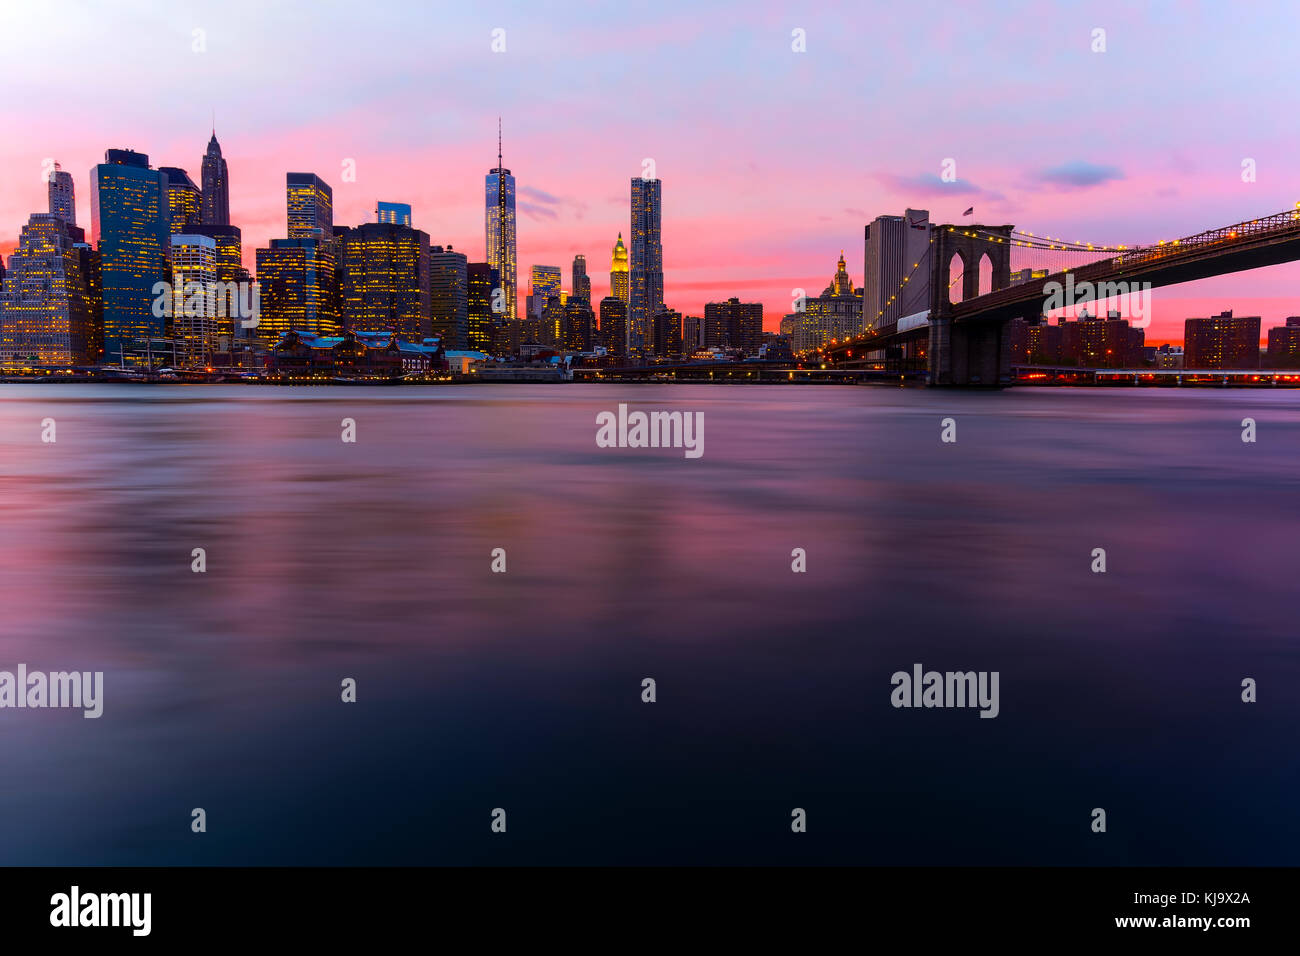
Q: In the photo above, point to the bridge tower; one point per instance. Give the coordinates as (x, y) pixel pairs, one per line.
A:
(977, 353)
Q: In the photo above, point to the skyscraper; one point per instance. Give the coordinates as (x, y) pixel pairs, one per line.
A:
(480, 280)
(216, 185)
(46, 298)
(501, 230)
(618, 287)
(646, 260)
(897, 248)
(196, 324)
(579, 325)
(298, 284)
(184, 200)
(130, 224)
(581, 281)
(310, 206)
(62, 202)
(449, 296)
(383, 277)
(734, 324)
(667, 326)
(398, 213)
(613, 324)
(545, 284)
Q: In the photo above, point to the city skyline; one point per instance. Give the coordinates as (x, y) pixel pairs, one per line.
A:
(755, 208)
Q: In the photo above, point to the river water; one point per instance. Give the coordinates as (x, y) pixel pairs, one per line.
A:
(372, 560)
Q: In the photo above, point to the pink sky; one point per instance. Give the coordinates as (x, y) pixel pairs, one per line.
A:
(771, 160)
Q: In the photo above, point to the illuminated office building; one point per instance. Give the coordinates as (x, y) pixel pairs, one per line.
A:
(310, 203)
(216, 186)
(691, 341)
(579, 325)
(545, 284)
(130, 226)
(47, 297)
(297, 280)
(666, 326)
(394, 213)
(613, 324)
(500, 218)
(62, 201)
(734, 324)
(896, 248)
(480, 280)
(184, 200)
(581, 281)
(197, 312)
(383, 276)
(646, 261)
(449, 296)
(618, 267)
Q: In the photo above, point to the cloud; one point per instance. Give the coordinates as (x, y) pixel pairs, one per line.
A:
(1079, 174)
(928, 184)
(540, 196)
(533, 211)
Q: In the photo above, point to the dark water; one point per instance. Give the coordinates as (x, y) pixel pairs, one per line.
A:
(522, 690)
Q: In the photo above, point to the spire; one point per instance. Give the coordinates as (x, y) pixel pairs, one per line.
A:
(499, 164)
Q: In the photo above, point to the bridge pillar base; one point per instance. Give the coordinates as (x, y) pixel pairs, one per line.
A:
(975, 355)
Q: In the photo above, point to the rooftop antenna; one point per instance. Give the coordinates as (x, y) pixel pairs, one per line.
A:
(498, 142)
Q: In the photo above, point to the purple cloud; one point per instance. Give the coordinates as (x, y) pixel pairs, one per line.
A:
(1079, 174)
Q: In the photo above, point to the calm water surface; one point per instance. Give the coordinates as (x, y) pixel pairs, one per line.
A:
(522, 690)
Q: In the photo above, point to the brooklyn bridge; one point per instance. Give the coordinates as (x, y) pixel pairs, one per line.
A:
(962, 339)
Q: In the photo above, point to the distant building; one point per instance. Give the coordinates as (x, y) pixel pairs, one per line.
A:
(298, 288)
(834, 315)
(579, 325)
(1284, 344)
(666, 326)
(480, 280)
(501, 241)
(613, 324)
(131, 226)
(1093, 342)
(618, 271)
(449, 296)
(393, 213)
(646, 262)
(1167, 357)
(1027, 275)
(48, 296)
(545, 283)
(692, 325)
(581, 281)
(384, 280)
(216, 185)
(897, 248)
(733, 324)
(355, 355)
(1221, 342)
(310, 203)
(184, 200)
(196, 325)
(62, 200)
(1037, 343)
